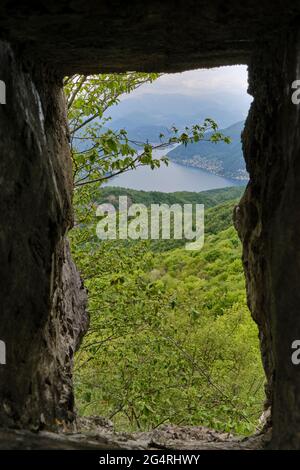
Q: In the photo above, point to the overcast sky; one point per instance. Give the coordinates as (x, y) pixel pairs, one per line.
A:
(230, 80)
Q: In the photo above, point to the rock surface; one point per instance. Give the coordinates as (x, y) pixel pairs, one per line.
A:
(41, 295)
(165, 437)
(268, 221)
(91, 36)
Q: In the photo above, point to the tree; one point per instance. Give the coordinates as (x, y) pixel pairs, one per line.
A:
(171, 339)
(100, 153)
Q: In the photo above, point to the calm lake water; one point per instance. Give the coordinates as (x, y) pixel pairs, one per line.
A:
(170, 178)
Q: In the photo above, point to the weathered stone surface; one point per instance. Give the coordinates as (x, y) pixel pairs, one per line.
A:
(166, 437)
(90, 36)
(268, 220)
(41, 297)
(26, 440)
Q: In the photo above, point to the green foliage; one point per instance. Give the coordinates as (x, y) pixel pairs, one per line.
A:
(219, 219)
(171, 338)
(209, 198)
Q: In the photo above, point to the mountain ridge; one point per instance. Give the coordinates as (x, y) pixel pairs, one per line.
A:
(220, 158)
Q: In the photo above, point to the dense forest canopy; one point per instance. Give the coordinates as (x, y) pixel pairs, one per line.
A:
(171, 338)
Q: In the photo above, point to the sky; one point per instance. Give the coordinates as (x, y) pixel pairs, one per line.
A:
(180, 99)
(201, 82)
(220, 93)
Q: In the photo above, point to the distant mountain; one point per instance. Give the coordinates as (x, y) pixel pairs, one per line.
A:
(146, 133)
(219, 158)
(165, 110)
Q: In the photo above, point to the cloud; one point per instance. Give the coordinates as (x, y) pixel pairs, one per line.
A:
(202, 82)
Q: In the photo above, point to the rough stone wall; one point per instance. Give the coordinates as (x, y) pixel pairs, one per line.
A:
(88, 36)
(42, 299)
(268, 221)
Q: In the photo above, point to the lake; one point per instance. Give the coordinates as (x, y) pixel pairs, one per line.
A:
(170, 178)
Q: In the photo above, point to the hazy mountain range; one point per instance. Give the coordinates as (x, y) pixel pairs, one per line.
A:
(153, 113)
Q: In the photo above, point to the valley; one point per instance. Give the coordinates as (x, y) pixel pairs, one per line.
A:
(177, 317)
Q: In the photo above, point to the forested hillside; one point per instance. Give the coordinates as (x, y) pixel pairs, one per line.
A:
(208, 198)
(171, 338)
(222, 159)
